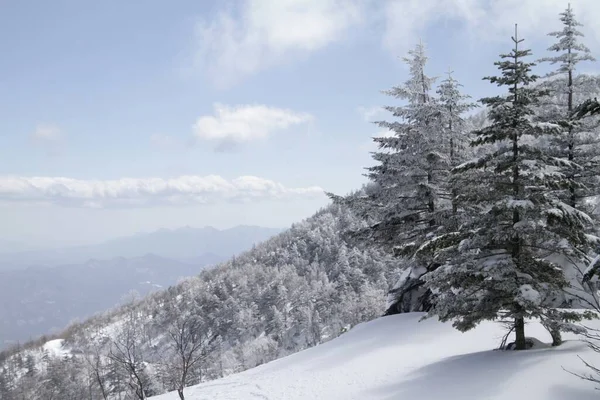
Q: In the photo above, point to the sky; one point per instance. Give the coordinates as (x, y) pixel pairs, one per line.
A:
(122, 117)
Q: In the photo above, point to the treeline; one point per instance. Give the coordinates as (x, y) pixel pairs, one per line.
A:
(497, 222)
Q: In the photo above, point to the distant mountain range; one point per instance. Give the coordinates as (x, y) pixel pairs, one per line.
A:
(43, 290)
(39, 300)
(182, 244)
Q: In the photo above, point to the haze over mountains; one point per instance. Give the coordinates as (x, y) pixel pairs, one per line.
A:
(11, 246)
(42, 291)
(202, 245)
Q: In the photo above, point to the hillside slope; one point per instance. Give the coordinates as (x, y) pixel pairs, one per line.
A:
(397, 357)
(300, 288)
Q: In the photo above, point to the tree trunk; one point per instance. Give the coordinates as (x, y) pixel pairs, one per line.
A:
(556, 337)
(452, 165)
(520, 343)
(101, 383)
(180, 393)
(571, 138)
(430, 202)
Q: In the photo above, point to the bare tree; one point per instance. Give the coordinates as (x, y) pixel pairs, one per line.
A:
(190, 341)
(96, 369)
(127, 352)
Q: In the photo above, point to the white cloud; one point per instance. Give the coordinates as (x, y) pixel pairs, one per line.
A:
(47, 133)
(260, 34)
(483, 20)
(244, 123)
(130, 192)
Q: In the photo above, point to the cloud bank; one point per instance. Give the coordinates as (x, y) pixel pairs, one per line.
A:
(483, 20)
(258, 35)
(131, 192)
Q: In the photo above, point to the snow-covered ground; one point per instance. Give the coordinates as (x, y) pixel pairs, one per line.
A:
(398, 357)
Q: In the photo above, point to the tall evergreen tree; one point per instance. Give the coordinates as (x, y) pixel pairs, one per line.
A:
(408, 195)
(454, 105)
(578, 144)
(497, 262)
(572, 145)
(409, 294)
(409, 163)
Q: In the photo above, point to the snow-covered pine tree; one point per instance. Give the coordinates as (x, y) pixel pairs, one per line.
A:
(409, 198)
(576, 144)
(498, 266)
(588, 108)
(408, 294)
(454, 105)
(410, 164)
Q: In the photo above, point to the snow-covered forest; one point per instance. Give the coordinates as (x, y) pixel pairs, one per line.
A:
(298, 289)
(475, 211)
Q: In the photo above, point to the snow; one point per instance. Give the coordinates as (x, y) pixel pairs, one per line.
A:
(546, 125)
(592, 267)
(398, 357)
(526, 204)
(529, 295)
(55, 348)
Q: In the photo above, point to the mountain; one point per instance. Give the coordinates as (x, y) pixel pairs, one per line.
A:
(302, 287)
(299, 290)
(43, 300)
(181, 244)
(398, 357)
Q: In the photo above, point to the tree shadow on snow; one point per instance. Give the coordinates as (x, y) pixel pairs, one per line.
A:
(477, 376)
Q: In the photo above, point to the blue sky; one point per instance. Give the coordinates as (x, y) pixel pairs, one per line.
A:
(118, 117)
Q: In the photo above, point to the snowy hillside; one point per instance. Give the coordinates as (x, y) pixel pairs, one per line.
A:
(397, 357)
(302, 287)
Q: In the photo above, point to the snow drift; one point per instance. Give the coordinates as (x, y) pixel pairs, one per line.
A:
(398, 357)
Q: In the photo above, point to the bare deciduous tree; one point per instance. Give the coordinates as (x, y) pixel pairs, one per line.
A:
(126, 351)
(190, 340)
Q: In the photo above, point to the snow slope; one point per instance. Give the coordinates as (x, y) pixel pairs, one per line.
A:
(398, 357)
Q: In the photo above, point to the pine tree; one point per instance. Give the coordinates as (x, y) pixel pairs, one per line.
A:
(5, 387)
(578, 144)
(30, 366)
(496, 262)
(454, 105)
(574, 144)
(405, 190)
(408, 194)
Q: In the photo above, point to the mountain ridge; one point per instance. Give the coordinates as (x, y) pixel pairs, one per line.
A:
(179, 244)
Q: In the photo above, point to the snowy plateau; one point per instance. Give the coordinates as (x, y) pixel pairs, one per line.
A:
(401, 357)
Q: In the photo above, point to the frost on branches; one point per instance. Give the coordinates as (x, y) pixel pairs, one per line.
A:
(496, 264)
(409, 200)
(579, 142)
